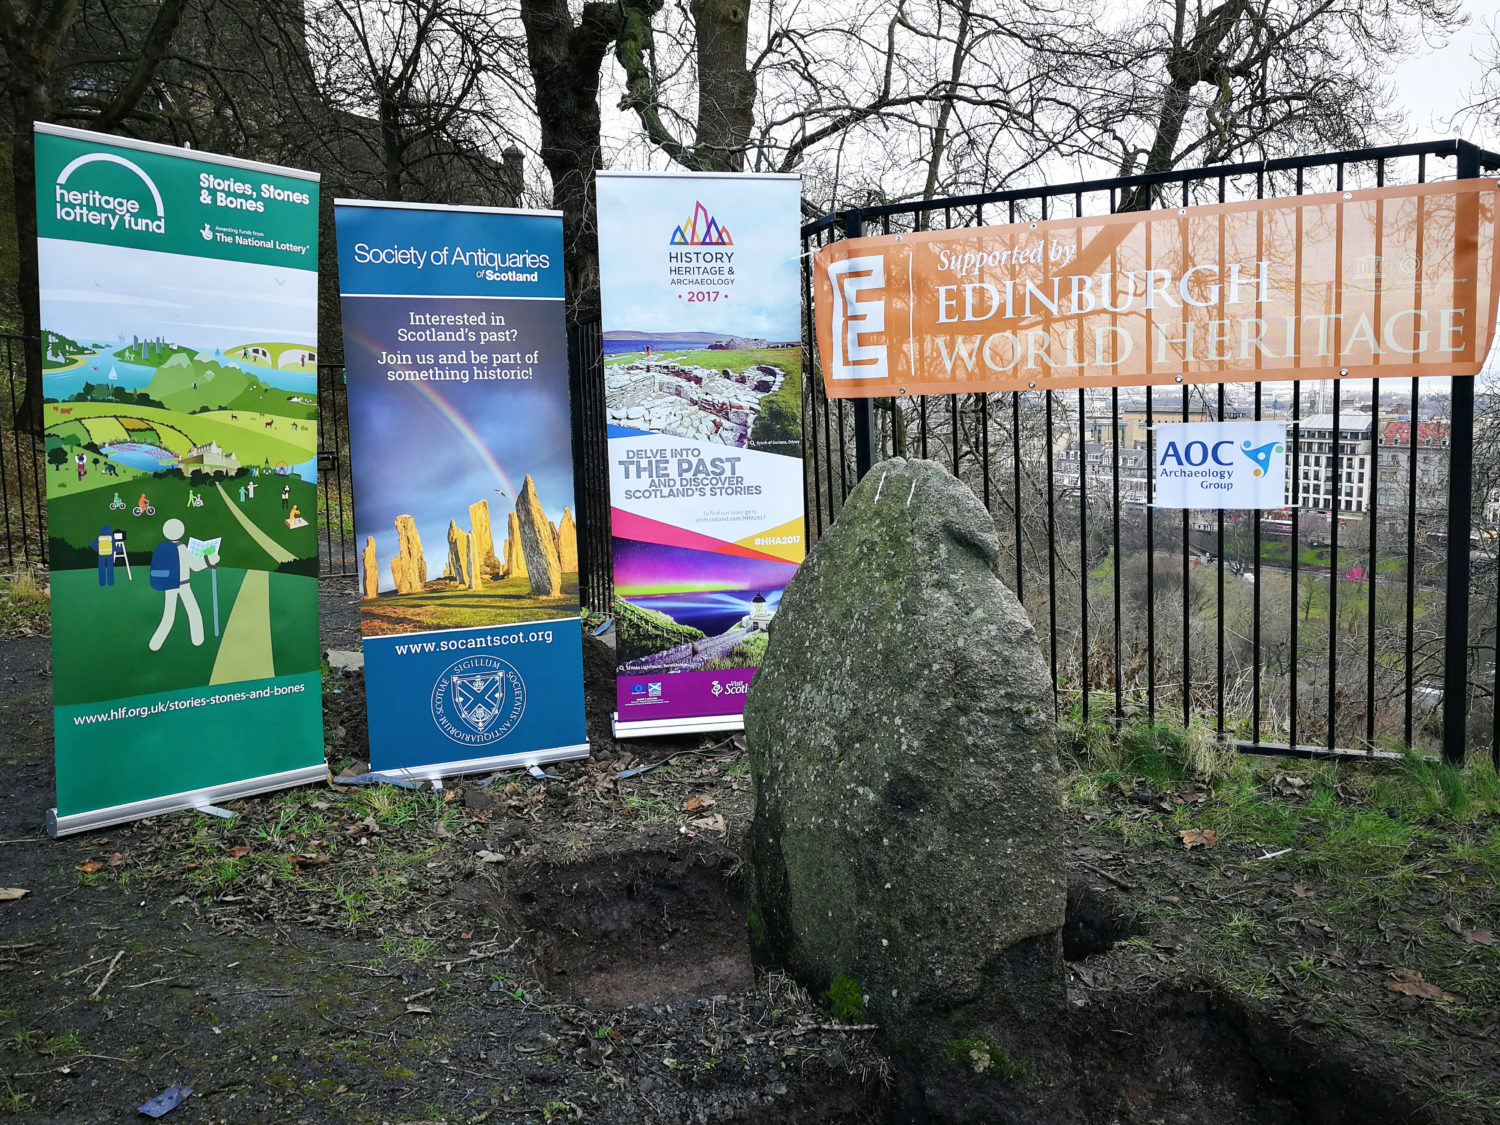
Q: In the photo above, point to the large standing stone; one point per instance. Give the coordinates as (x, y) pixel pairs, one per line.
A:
(458, 555)
(908, 831)
(515, 558)
(408, 568)
(537, 544)
(370, 568)
(483, 536)
(476, 570)
(567, 543)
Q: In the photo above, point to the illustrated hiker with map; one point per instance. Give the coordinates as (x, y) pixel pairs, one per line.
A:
(172, 566)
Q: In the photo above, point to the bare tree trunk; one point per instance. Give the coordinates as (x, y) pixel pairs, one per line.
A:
(566, 59)
(726, 88)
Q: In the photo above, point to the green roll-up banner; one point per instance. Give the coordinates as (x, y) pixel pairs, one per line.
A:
(180, 371)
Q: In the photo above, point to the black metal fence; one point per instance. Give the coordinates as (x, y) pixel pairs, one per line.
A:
(1366, 625)
(1348, 629)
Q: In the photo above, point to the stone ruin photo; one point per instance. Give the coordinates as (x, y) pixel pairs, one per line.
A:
(690, 401)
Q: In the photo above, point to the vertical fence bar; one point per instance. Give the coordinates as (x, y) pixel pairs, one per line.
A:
(1115, 508)
(1187, 583)
(1150, 558)
(1255, 596)
(1372, 569)
(10, 375)
(40, 480)
(1296, 553)
(1015, 442)
(984, 448)
(1219, 543)
(810, 384)
(1051, 555)
(1335, 507)
(1083, 546)
(864, 408)
(1456, 608)
(1460, 525)
(1408, 732)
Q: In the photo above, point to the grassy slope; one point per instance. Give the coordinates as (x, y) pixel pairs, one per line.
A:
(443, 607)
(1324, 884)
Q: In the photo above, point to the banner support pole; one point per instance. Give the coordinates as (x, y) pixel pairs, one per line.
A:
(864, 408)
(1460, 518)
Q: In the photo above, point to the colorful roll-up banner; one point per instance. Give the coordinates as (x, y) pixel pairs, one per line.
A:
(703, 387)
(180, 373)
(1376, 283)
(461, 451)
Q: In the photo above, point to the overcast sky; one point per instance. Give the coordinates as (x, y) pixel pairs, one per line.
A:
(1435, 84)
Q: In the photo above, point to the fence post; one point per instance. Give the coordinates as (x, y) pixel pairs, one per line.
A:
(864, 408)
(1460, 505)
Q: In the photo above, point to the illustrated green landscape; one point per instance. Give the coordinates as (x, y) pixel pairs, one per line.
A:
(212, 431)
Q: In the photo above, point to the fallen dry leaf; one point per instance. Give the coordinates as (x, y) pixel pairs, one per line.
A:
(308, 859)
(90, 866)
(240, 851)
(1198, 837)
(1411, 983)
(488, 856)
(1303, 892)
(693, 804)
(1473, 937)
(10, 894)
(714, 823)
(114, 860)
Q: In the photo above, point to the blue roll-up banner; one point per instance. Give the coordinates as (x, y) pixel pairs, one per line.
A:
(461, 454)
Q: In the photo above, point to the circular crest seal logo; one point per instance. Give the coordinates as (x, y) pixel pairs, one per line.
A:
(478, 700)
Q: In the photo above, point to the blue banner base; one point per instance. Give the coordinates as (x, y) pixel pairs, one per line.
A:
(437, 770)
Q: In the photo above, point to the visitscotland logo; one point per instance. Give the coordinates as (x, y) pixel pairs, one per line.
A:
(91, 207)
(701, 230)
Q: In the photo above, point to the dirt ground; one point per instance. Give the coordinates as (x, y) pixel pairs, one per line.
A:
(522, 950)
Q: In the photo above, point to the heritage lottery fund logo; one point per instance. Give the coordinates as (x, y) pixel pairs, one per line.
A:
(700, 255)
(478, 700)
(88, 206)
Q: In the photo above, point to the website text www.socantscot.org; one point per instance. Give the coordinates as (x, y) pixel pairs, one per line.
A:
(464, 644)
(162, 706)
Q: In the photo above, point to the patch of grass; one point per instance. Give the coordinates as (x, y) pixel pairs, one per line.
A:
(846, 1000)
(984, 1056)
(24, 603)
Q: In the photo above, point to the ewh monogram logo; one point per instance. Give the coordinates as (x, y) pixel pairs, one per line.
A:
(855, 315)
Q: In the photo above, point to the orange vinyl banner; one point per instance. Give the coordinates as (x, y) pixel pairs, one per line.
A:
(1395, 281)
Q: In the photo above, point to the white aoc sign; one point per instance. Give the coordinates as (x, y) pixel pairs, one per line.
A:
(1220, 465)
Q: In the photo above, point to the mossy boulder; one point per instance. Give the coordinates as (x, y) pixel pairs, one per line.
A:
(908, 829)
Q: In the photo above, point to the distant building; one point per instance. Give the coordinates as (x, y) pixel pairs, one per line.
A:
(1331, 472)
(1399, 453)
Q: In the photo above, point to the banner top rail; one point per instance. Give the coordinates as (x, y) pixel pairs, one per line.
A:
(401, 205)
(623, 174)
(93, 137)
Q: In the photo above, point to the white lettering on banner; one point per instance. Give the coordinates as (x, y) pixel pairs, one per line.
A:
(854, 315)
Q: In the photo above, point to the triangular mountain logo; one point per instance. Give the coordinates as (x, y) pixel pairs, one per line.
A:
(701, 230)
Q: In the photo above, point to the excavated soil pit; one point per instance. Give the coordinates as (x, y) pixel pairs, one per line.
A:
(642, 929)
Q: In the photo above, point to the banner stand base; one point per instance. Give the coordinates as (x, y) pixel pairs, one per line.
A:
(176, 802)
(438, 770)
(648, 728)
